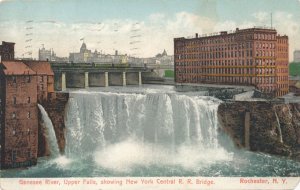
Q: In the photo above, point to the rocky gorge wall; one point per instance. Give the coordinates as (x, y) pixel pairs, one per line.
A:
(271, 127)
(55, 108)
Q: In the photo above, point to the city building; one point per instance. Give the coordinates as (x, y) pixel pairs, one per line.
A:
(297, 56)
(254, 56)
(49, 55)
(7, 51)
(87, 56)
(83, 56)
(45, 55)
(18, 115)
(164, 58)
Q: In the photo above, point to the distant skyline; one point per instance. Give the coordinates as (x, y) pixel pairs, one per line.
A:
(142, 27)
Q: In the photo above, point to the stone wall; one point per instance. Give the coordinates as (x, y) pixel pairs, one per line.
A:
(55, 108)
(43, 145)
(132, 78)
(264, 135)
(57, 81)
(96, 79)
(75, 80)
(115, 79)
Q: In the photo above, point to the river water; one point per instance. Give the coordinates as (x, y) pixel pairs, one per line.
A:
(149, 131)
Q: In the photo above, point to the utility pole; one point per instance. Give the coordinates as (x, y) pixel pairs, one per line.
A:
(271, 20)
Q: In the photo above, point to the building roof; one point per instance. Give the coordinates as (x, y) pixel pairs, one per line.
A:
(83, 48)
(40, 67)
(16, 68)
(9, 43)
(232, 32)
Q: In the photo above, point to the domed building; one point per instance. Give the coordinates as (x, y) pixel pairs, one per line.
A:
(83, 48)
(83, 56)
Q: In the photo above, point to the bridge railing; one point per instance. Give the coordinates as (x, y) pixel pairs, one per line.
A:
(97, 65)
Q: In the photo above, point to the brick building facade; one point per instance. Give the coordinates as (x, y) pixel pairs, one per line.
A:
(23, 84)
(19, 118)
(45, 79)
(7, 51)
(254, 56)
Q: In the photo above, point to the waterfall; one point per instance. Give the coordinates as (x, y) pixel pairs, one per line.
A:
(51, 137)
(121, 129)
(98, 119)
(278, 127)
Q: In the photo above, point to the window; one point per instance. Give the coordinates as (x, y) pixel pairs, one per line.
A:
(13, 115)
(28, 100)
(28, 79)
(15, 100)
(28, 115)
(14, 79)
(14, 155)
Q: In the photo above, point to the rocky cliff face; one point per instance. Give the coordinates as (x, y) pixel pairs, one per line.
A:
(274, 128)
(43, 145)
(55, 108)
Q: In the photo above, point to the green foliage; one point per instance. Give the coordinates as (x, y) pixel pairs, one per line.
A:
(169, 73)
(294, 69)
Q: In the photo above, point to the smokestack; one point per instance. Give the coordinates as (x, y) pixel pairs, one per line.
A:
(196, 35)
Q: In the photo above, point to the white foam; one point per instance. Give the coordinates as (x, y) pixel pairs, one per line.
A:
(126, 155)
(63, 161)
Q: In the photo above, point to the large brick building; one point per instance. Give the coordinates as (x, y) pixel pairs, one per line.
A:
(23, 84)
(254, 56)
(19, 118)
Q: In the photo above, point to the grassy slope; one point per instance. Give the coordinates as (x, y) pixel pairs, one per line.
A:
(169, 73)
(294, 69)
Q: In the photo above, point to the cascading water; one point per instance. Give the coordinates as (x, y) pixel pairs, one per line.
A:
(50, 132)
(279, 127)
(155, 127)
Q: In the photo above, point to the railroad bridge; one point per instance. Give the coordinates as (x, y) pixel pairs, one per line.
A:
(70, 75)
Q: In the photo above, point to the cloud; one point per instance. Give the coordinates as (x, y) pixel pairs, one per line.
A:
(157, 17)
(153, 34)
(1, 1)
(262, 17)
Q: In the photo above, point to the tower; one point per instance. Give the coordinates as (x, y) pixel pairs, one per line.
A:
(7, 51)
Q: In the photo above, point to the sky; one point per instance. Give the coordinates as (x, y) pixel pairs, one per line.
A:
(141, 28)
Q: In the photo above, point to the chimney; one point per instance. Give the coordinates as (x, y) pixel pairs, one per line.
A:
(196, 35)
(116, 52)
